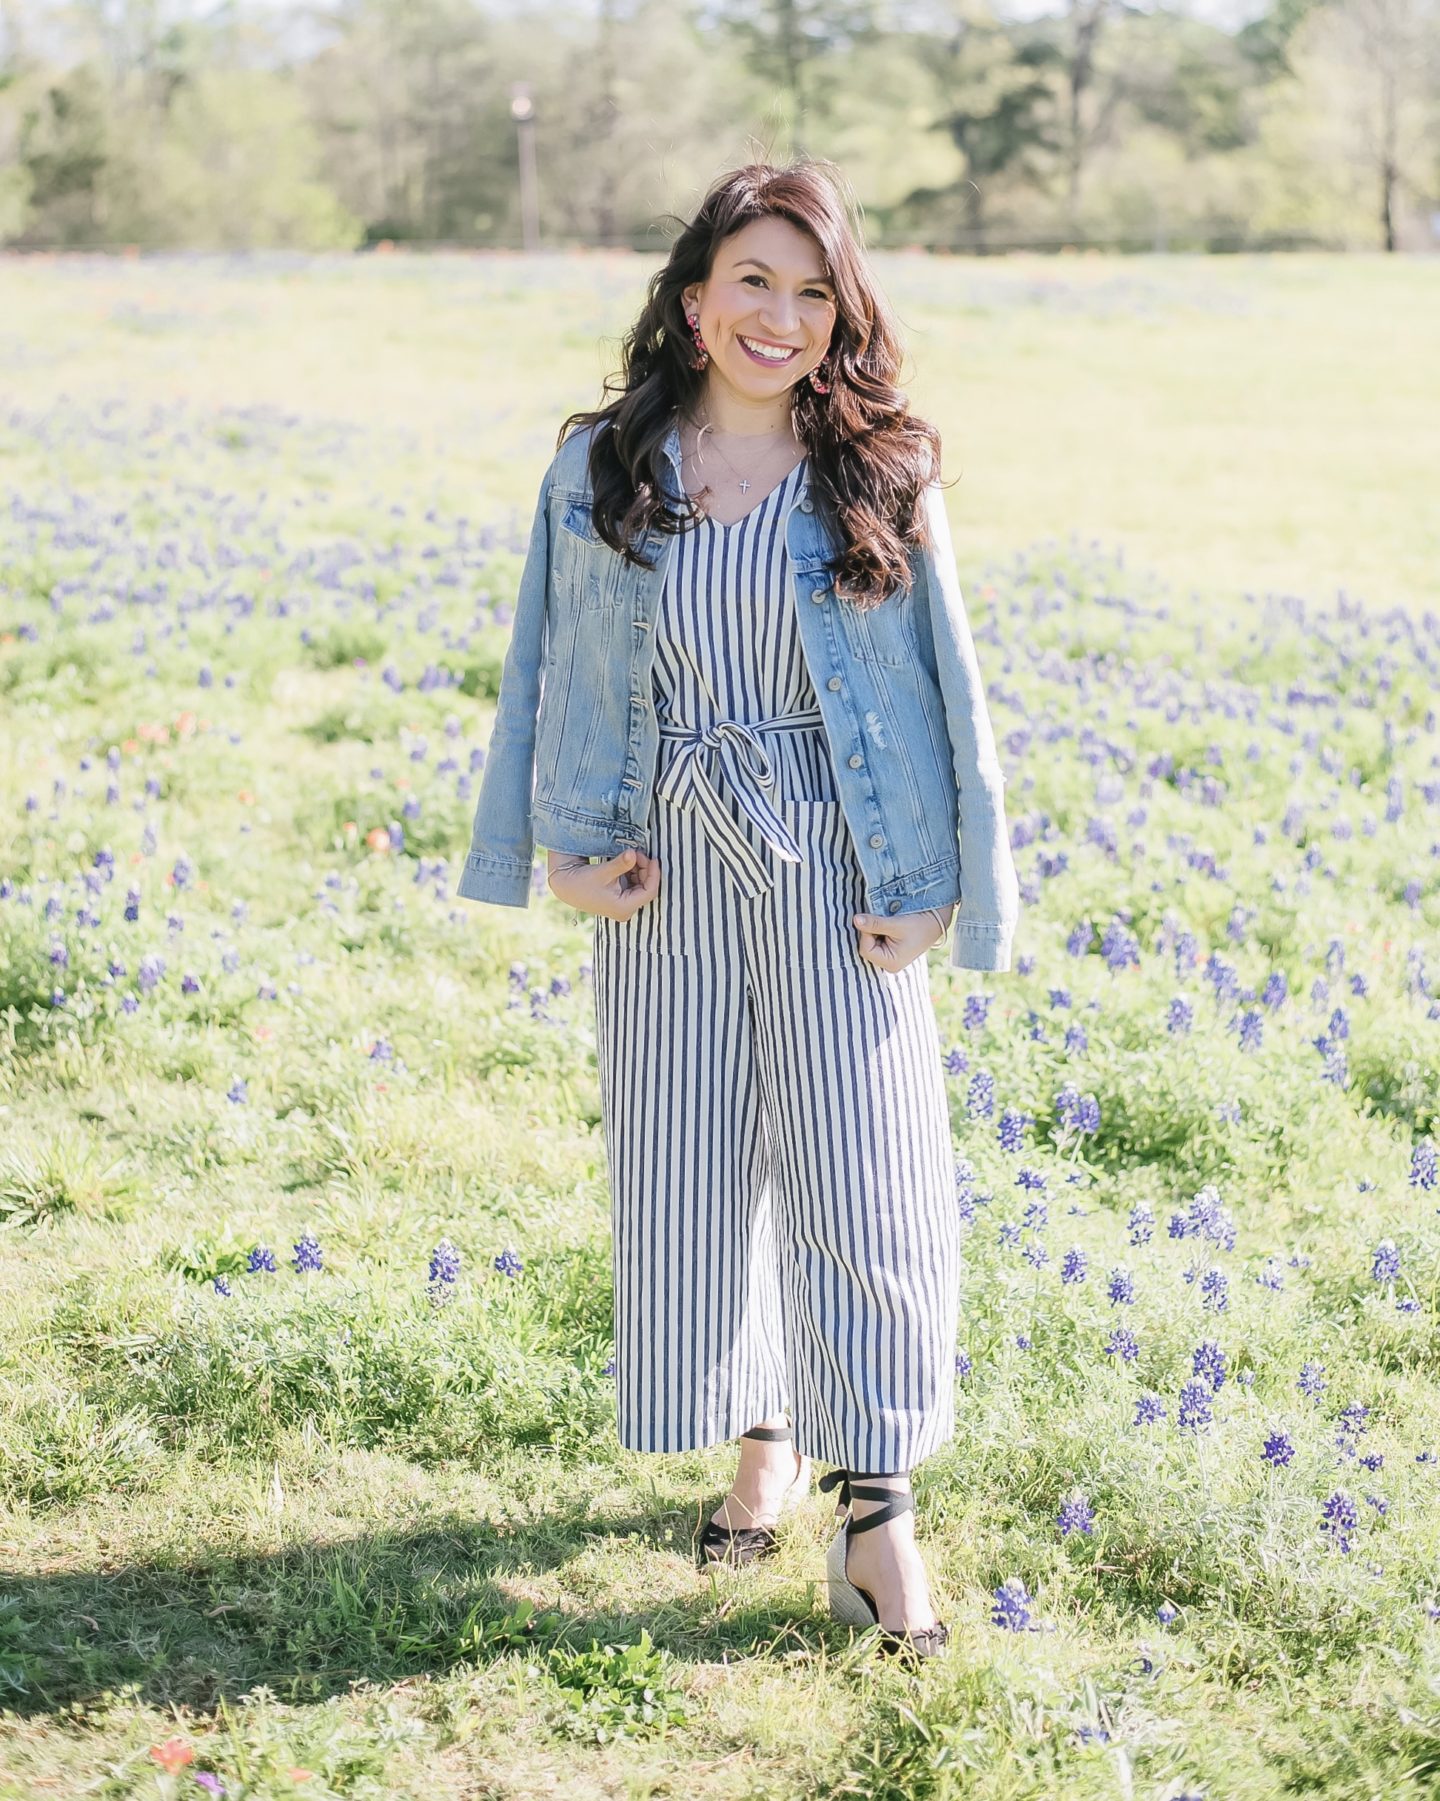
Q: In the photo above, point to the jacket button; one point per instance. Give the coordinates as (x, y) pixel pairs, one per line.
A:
(834, 682)
(817, 595)
(894, 907)
(876, 840)
(807, 506)
(856, 762)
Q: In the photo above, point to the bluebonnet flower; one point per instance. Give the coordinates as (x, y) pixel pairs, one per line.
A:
(1074, 1266)
(1120, 1290)
(261, 1258)
(444, 1271)
(1078, 943)
(183, 873)
(980, 1099)
(1195, 1407)
(1424, 1164)
(1271, 1274)
(239, 1090)
(1252, 1031)
(1119, 947)
(130, 1003)
(1012, 1606)
(1276, 988)
(1278, 1449)
(152, 968)
(265, 992)
(1166, 1612)
(1209, 1361)
(1181, 1015)
(382, 1051)
(1022, 1341)
(1123, 1344)
(189, 984)
(1311, 1380)
(1385, 1266)
(977, 1008)
(956, 1063)
(1149, 1408)
(307, 1252)
(1060, 997)
(57, 997)
(1011, 1130)
(1076, 1515)
(221, 1286)
(1076, 1040)
(1373, 1461)
(60, 956)
(1142, 1222)
(508, 1263)
(963, 1365)
(1035, 1254)
(1215, 1290)
(1338, 1518)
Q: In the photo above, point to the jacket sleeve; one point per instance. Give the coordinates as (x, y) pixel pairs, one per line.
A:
(989, 909)
(501, 858)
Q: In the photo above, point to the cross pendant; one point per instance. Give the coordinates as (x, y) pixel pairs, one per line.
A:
(745, 487)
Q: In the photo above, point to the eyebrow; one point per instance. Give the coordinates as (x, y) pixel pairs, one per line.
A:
(825, 279)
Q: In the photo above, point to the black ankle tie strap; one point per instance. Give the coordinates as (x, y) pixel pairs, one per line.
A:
(773, 1432)
(895, 1502)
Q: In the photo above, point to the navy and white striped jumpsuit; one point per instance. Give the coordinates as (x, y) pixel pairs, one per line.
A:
(786, 1236)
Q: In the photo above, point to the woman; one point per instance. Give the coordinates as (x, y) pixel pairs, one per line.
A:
(741, 676)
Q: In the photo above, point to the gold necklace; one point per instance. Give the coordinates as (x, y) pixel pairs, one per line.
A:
(743, 481)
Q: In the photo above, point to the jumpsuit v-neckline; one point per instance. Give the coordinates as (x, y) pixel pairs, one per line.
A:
(785, 1235)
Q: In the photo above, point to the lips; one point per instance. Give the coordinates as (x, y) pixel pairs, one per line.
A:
(768, 362)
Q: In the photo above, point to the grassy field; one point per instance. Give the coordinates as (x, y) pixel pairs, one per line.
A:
(308, 1480)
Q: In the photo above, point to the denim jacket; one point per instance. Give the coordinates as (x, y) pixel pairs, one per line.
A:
(573, 751)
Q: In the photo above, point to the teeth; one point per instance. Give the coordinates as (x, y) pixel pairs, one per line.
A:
(767, 352)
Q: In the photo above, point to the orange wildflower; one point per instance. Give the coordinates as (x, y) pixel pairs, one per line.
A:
(173, 1755)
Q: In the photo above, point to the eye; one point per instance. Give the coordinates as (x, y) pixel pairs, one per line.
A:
(819, 293)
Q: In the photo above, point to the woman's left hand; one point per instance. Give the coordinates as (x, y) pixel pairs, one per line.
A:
(891, 943)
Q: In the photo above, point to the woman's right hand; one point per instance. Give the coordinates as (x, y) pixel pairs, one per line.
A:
(615, 889)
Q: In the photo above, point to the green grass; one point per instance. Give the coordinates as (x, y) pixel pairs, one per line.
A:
(329, 1525)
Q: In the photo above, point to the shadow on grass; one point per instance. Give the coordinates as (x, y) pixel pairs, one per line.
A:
(310, 1620)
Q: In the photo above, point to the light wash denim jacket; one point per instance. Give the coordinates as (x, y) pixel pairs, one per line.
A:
(573, 751)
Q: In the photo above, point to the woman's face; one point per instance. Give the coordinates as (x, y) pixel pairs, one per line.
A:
(767, 285)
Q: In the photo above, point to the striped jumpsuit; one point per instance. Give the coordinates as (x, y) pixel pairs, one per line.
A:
(785, 1231)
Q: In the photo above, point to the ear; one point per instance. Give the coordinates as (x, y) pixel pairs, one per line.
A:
(690, 300)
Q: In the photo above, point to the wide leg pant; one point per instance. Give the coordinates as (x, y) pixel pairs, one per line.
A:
(786, 1234)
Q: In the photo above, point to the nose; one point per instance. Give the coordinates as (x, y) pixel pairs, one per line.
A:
(782, 318)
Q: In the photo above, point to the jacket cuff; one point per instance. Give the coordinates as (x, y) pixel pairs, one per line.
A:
(978, 946)
(506, 884)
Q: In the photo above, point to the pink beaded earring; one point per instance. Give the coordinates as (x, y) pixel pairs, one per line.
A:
(702, 355)
(818, 374)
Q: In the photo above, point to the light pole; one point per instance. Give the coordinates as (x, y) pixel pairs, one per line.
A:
(522, 111)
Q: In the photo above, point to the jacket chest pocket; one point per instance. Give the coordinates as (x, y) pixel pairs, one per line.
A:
(883, 634)
(582, 563)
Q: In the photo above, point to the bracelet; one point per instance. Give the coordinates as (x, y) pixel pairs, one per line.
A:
(944, 925)
(579, 863)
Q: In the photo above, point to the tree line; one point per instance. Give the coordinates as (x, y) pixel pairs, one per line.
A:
(960, 125)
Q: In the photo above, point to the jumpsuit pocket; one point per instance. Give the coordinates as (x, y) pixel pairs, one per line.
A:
(811, 906)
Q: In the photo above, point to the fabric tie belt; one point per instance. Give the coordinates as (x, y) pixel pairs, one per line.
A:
(686, 783)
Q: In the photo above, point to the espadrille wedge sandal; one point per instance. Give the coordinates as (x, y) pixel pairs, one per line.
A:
(737, 1545)
(852, 1604)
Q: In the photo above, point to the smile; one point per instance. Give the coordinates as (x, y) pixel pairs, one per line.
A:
(762, 354)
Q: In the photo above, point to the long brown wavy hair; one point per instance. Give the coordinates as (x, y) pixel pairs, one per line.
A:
(870, 457)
